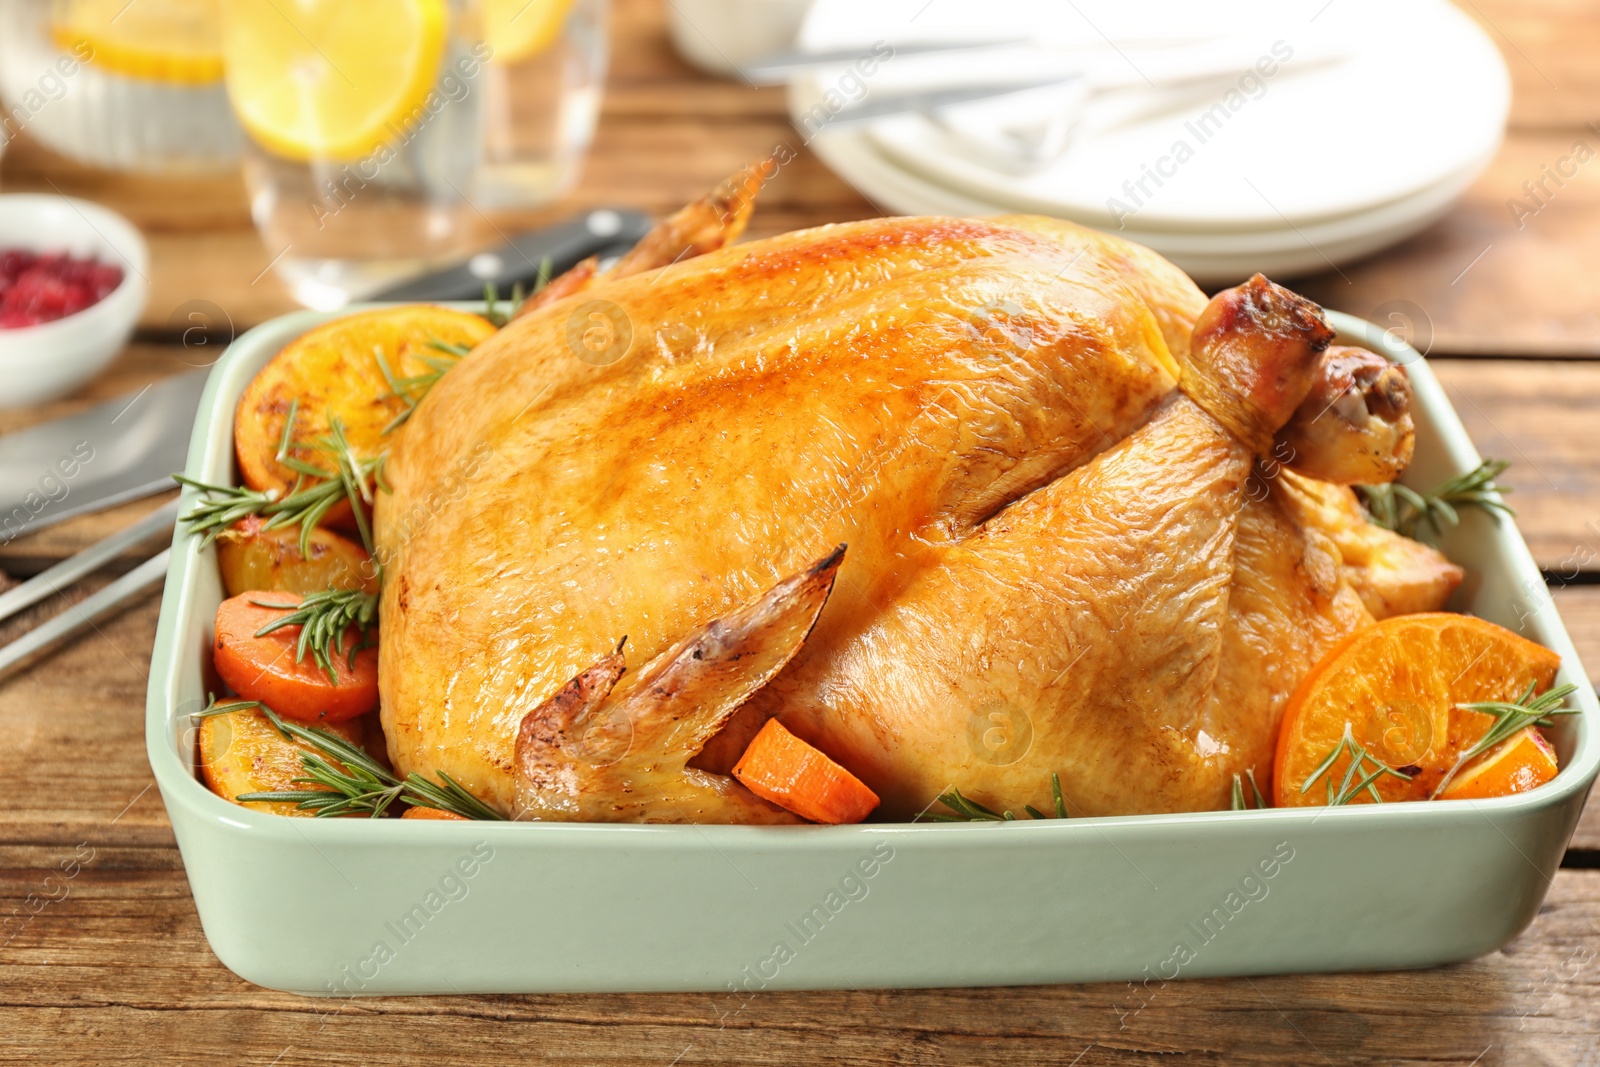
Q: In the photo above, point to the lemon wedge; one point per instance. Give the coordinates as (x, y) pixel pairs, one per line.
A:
(332, 79)
(517, 29)
(172, 41)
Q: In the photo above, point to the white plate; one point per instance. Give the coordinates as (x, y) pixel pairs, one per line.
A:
(1212, 259)
(1421, 79)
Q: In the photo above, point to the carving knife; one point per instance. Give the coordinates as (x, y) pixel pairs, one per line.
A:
(121, 450)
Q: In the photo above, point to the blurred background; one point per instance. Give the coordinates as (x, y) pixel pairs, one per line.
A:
(1369, 151)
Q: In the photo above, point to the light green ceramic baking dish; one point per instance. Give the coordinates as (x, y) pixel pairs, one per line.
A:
(343, 907)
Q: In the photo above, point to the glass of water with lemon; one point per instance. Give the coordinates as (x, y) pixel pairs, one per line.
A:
(380, 131)
(132, 85)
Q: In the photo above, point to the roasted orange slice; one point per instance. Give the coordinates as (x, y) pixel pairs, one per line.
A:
(364, 371)
(1391, 691)
(1522, 762)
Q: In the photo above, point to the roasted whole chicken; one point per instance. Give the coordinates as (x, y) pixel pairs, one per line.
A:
(963, 502)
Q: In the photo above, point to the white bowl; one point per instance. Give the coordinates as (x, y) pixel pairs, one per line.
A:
(39, 363)
(721, 36)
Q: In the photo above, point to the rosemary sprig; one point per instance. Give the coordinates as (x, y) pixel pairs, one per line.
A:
(352, 478)
(325, 620)
(968, 810)
(491, 296)
(353, 782)
(1356, 777)
(1510, 717)
(1404, 510)
(1239, 802)
(410, 390)
(315, 492)
(224, 505)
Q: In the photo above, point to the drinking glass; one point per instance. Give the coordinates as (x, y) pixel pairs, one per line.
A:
(124, 86)
(379, 131)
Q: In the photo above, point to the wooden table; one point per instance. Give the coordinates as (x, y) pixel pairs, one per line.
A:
(117, 969)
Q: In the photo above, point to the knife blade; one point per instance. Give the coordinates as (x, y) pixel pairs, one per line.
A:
(121, 450)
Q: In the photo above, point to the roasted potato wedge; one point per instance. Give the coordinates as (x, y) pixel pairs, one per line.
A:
(433, 813)
(334, 371)
(1393, 575)
(241, 752)
(252, 558)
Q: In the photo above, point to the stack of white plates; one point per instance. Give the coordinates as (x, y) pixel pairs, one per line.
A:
(1350, 125)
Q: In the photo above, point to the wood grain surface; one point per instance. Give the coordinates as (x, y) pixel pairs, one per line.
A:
(116, 970)
(119, 969)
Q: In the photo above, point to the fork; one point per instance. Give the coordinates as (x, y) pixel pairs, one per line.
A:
(96, 606)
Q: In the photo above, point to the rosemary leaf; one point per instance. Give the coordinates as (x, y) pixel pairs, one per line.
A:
(965, 809)
(1357, 779)
(1256, 801)
(352, 782)
(214, 708)
(491, 306)
(1255, 790)
(1510, 718)
(1055, 794)
(1406, 511)
(325, 620)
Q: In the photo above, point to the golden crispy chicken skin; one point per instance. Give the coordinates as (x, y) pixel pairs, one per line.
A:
(596, 752)
(1059, 560)
(1354, 426)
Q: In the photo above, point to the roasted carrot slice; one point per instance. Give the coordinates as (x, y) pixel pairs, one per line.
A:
(264, 668)
(783, 769)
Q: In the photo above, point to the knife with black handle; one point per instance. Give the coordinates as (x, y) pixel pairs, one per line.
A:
(604, 232)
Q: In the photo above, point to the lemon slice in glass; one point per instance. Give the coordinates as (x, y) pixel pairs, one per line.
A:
(172, 41)
(517, 29)
(332, 79)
